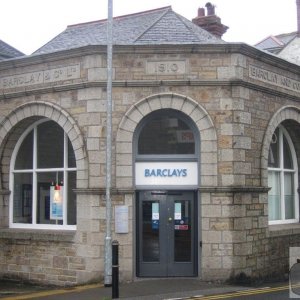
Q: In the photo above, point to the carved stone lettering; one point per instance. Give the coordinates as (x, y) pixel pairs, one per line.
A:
(21, 80)
(52, 75)
(273, 78)
(70, 72)
(166, 67)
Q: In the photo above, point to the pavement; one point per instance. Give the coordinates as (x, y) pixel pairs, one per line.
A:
(147, 289)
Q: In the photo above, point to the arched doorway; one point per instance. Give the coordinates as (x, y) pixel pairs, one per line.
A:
(166, 151)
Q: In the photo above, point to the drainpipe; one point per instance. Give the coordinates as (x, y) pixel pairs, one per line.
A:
(298, 17)
(108, 250)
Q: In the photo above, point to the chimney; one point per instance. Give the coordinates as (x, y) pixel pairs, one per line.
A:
(211, 22)
(298, 16)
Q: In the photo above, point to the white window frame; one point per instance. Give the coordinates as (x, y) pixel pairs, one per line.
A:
(34, 171)
(281, 170)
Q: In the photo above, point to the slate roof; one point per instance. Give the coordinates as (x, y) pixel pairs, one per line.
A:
(7, 51)
(276, 43)
(154, 27)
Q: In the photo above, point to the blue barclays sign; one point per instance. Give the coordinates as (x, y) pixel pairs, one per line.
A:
(166, 173)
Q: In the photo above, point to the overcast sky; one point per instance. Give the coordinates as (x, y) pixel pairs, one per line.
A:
(29, 24)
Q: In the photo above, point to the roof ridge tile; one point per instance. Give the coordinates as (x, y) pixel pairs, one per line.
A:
(122, 16)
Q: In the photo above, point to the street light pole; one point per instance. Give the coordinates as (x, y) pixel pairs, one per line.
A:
(108, 250)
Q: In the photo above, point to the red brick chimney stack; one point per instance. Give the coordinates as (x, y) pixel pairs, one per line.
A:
(211, 22)
(298, 16)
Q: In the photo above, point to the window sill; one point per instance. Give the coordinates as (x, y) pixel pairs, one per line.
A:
(284, 229)
(37, 235)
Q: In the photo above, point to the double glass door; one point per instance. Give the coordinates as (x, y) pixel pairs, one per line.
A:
(166, 234)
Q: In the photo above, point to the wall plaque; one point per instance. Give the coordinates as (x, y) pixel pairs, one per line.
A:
(121, 219)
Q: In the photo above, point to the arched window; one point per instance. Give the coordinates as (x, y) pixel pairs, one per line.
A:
(166, 134)
(282, 179)
(42, 179)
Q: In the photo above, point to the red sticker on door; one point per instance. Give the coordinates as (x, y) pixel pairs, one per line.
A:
(181, 227)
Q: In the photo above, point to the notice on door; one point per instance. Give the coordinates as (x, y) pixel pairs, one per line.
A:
(155, 211)
(177, 214)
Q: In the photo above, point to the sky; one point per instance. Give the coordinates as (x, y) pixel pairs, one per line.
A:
(29, 24)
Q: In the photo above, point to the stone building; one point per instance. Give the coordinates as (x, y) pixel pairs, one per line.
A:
(205, 155)
(285, 45)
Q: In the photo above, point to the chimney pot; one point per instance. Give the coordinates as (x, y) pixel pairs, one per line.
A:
(201, 12)
(210, 9)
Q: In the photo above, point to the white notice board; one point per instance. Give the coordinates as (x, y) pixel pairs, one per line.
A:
(121, 219)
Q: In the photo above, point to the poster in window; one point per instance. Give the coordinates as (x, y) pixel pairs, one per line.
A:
(56, 202)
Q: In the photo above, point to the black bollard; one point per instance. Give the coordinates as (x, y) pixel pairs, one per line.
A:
(115, 269)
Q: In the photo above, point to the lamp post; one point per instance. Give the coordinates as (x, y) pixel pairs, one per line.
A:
(108, 250)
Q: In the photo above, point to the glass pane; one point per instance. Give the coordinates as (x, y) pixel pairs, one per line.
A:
(289, 196)
(50, 145)
(22, 203)
(274, 161)
(25, 154)
(71, 156)
(274, 196)
(46, 205)
(71, 214)
(150, 231)
(182, 231)
(287, 156)
(166, 135)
